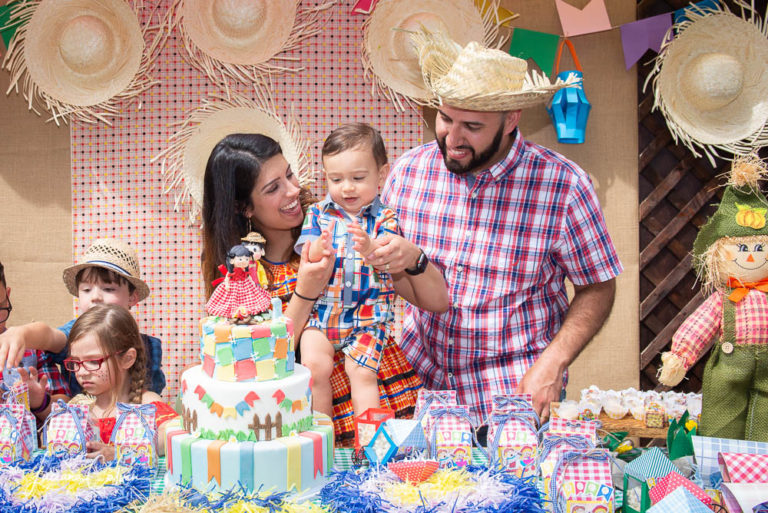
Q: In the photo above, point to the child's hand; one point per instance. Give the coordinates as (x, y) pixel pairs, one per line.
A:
(363, 242)
(37, 385)
(12, 347)
(96, 448)
(322, 246)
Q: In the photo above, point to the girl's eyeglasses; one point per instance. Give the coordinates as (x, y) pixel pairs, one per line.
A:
(89, 365)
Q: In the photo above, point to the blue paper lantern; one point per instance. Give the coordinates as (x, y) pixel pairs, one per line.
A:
(569, 110)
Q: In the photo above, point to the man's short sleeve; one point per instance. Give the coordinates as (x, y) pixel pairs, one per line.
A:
(586, 250)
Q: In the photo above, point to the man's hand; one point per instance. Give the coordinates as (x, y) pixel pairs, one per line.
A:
(544, 381)
(394, 255)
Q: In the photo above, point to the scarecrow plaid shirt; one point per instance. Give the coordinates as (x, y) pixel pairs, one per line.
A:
(504, 240)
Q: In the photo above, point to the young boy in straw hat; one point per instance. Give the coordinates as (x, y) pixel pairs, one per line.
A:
(109, 273)
(507, 220)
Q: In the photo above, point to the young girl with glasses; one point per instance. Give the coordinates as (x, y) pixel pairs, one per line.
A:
(107, 357)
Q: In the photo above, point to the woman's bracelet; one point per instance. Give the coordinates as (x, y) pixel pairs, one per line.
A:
(44, 405)
(305, 298)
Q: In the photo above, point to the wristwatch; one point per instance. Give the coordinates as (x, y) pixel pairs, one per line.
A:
(420, 267)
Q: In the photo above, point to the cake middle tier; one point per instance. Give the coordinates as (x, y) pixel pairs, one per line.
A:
(242, 411)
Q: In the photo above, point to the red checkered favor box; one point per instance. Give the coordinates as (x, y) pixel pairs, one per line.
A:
(587, 428)
(552, 446)
(427, 398)
(663, 486)
(67, 429)
(18, 434)
(743, 468)
(449, 435)
(135, 435)
(513, 442)
(517, 403)
(582, 482)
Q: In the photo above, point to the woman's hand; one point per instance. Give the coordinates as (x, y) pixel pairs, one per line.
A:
(37, 385)
(313, 276)
(96, 448)
(394, 255)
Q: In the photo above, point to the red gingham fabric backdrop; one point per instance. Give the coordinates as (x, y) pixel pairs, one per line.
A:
(117, 192)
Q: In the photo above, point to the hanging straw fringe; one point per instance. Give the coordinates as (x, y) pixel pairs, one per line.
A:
(694, 13)
(172, 158)
(155, 37)
(308, 22)
(493, 38)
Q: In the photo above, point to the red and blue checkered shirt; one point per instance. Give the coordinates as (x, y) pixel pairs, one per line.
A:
(505, 240)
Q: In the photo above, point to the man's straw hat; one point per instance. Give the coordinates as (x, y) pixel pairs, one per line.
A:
(388, 52)
(474, 77)
(81, 58)
(114, 255)
(711, 83)
(185, 159)
(243, 39)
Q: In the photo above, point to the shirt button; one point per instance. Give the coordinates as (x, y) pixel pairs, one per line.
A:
(474, 195)
(456, 306)
(450, 374)
(468, 234)
(450, 341)
(348, 284)
(350, 255)
(459, 268)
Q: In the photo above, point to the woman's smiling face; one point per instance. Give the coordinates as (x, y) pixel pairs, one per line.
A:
(275, 201)
(745, 258)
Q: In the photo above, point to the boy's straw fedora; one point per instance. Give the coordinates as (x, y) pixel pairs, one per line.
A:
(388, 52)
(242, 39)
(711, 83)
(185, 159)
(114, 255)
(474, 77)
(80, 58)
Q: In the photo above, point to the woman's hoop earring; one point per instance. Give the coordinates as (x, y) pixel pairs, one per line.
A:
(250, 226)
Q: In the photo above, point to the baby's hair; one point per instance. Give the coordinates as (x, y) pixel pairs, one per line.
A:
(353, 136)
(117, 331)
(95, 274)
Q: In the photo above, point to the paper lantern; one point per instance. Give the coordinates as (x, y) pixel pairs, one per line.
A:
(569, 108)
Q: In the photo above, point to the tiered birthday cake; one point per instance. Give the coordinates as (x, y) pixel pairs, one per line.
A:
(247, 414)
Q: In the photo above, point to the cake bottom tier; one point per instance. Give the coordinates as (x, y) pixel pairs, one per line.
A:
(298, 462)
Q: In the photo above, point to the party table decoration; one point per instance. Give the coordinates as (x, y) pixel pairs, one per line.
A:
(67, 429)
(449, 435)
(468, 489)
(18, 433)
(662, 487)
(513, 442)
(367, 423)
(416, 471)
(581, 482)
(569, 107)
(744, 468)
(652, 463)
(47, 484)
(679, 501)
(135, 435)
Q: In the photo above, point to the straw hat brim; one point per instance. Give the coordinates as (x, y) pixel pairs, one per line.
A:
(249, 37)
(387, 50)
(70, 275)
(83, 52)
(736, 125)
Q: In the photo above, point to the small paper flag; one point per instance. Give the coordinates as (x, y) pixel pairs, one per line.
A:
(539, 46)
(641, 35)
(575, 22)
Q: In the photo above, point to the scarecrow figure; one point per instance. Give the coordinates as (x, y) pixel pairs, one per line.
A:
(731, 257)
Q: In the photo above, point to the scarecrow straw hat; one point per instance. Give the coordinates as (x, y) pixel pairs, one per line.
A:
(114, 255)
(81, 58)
(478, 78)
(185, 159)
(243, 39)
(711, 83)
(388, 53)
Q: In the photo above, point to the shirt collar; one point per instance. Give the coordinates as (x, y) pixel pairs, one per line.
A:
(373, 208)
(511, 159)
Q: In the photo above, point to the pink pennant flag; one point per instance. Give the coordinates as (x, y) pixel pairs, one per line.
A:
(575, 21)
(364, 7)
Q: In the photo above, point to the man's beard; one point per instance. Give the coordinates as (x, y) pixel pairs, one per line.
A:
(478, 161)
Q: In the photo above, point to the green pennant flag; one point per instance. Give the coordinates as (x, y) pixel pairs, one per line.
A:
(539, 46)
(7, 31)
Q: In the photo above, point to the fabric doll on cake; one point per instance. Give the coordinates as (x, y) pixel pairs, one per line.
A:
(239, 295)
(730, 256)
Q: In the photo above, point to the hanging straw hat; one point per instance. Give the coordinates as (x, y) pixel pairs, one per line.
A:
(243, 39)
(478, 78)
(388, 53)
(254, 238)
(185, 159)
(114, 255)
(711, 83)
(81, 58)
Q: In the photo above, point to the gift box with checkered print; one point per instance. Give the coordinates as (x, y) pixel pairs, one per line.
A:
(427, 398)
(552, 446)
(707, 449)
(565, 427)
(679, 501)
(135, 435)
(744, 468)
(581, 482)
(67, 429)
(514, 442)
(652, 463)
(661, 487)
(18, 434)
(449, 435)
